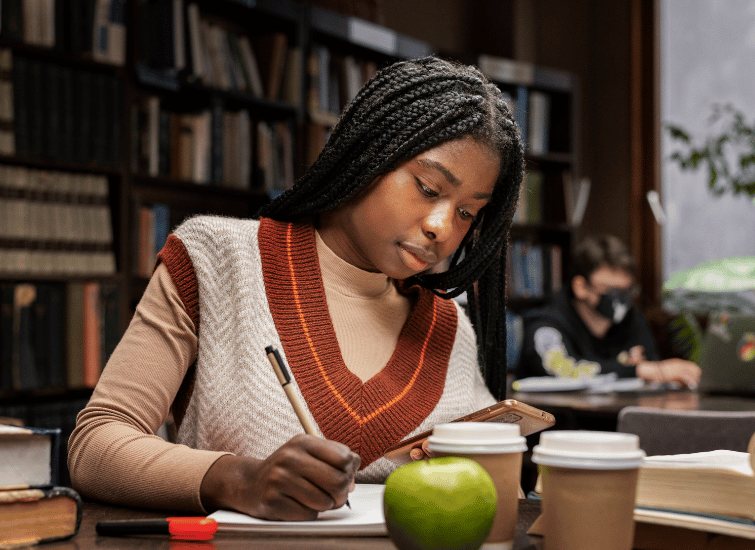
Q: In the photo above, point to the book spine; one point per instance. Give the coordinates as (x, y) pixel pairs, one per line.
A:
(52, 92)
(115, 109)
(82, 83)
(24, 365)
(21, 104)
(75, 334)
(13, 20)
(6, 335)
(66, 100)
(162, 224)
(92, 366)
(111, 329)
(29, 503)
(216, 144)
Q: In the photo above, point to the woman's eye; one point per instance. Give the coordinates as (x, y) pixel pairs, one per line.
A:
(466, 216)
(425, 190)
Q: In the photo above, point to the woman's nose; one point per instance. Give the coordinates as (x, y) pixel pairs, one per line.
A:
(438, 224)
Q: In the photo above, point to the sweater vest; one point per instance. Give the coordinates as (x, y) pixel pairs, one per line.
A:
(250, 284)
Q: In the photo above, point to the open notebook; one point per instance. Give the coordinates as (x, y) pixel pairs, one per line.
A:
(365, 518)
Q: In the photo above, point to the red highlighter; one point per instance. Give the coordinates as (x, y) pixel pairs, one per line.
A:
(190, 528)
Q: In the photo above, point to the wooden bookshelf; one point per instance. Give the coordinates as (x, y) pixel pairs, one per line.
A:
(544, 104)
(133, 118)
(169, 117)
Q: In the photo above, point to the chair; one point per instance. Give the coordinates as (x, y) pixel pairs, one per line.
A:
(664, 432)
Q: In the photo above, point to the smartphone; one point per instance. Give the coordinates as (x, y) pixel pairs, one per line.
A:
(530, 420)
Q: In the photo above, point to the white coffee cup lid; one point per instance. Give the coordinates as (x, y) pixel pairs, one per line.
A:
(477, 437)
(586, 450)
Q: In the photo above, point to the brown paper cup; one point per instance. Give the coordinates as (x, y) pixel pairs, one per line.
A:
(505, 470)
(589, 482)
(588, 509)
(498, 448)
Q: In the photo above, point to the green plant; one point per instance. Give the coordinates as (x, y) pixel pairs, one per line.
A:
(728, 153)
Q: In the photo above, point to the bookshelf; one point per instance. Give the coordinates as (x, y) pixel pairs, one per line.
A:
(120, 118)
(544, 102)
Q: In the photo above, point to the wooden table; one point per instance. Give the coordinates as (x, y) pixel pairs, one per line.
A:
(579, 410)
(600, 411)
(87, 537)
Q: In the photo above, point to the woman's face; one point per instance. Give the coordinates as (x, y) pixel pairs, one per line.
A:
(412, 218)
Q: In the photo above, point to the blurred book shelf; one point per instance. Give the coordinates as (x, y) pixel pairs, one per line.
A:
(553, 197)
(120, 118)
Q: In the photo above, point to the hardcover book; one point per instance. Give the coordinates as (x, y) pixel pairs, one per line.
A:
(34, 516)
(28, 457)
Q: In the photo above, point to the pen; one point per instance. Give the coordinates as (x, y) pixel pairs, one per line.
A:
(188, 528)
(285, 379)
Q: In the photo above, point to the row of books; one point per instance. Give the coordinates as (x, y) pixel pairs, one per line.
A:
(57, 335)
(33, 507)
(89, 28)
(538, 123)
(54, 222)
(529, 208)
(212, 146)
(335, 79)
(532, 107)
(153, 226)
(534, 270)
(179, 38)
(55, 112)
(532, 195)
(369, 10)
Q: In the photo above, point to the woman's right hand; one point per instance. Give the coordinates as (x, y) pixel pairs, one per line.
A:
(304, 476)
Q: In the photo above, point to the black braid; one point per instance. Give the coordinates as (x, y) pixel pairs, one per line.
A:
(406, 109)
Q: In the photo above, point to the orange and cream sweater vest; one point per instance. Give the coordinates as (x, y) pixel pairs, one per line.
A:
(249, 284)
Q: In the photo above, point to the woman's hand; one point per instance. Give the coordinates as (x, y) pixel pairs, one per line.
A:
(306, 475)
(420, 453)
(636, 355)
(670, 370)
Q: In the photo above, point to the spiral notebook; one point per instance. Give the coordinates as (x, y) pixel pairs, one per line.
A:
(365, 518)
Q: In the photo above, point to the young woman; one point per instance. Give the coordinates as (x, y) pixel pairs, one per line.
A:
(345, 274)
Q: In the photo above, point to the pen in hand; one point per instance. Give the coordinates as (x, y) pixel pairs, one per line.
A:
(285, 379)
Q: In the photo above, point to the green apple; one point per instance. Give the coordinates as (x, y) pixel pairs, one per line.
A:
(445, 503)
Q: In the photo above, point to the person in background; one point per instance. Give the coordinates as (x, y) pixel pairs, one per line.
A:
(338, 274)
(592, 327)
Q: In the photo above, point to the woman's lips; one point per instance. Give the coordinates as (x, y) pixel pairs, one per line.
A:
(415, 257)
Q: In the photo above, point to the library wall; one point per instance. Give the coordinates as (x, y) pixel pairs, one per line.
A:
(591, 39)
(444, 25)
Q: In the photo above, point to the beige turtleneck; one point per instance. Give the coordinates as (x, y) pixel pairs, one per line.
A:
(367, 310)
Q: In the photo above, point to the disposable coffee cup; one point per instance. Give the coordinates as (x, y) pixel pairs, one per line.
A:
(589, 486)
(498, 448)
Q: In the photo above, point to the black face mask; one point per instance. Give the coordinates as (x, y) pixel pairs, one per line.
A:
(615, 305)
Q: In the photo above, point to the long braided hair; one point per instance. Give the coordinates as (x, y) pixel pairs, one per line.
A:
(406, 109)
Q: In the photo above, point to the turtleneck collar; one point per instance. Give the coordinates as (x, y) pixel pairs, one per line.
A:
(340, 276)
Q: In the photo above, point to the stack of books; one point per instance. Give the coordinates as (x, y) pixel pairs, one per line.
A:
(32, 508)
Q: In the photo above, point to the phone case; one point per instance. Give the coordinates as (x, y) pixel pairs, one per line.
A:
(530, 420)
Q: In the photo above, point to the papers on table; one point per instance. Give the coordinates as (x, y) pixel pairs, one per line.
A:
(602, 383)
(365, 518)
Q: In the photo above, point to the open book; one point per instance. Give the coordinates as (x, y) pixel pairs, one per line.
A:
(715, 483)
(365, 518)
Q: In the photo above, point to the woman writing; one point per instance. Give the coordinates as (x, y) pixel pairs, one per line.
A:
(345, 275)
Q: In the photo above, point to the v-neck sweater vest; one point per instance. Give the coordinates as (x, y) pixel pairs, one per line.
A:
(247, 285)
